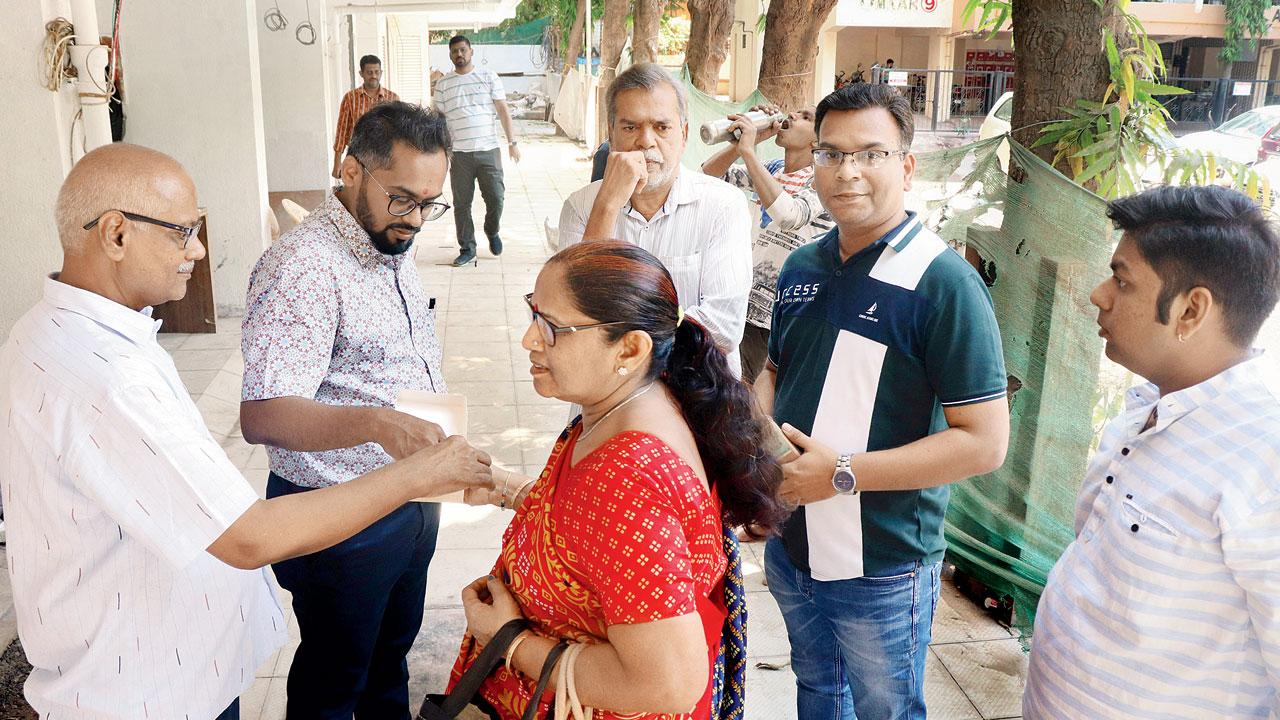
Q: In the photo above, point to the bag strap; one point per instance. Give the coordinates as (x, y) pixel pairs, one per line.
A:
(548, 667)
(488, 660)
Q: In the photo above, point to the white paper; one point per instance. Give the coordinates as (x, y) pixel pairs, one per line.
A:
(449, 411)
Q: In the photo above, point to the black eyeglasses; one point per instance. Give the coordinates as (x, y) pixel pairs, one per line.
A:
(400, 205)
(550, 331)
(187, 231)
(829, 157)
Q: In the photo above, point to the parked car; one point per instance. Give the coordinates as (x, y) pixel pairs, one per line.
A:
(998, 122)
(1247, 138)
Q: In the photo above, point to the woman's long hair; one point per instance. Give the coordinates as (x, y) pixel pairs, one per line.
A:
(618, 282)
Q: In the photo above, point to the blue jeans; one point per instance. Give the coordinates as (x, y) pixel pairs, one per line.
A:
(857, 646)
(359, 606)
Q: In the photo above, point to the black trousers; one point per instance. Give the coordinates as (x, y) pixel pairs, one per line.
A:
(359, 606)
(483, 168)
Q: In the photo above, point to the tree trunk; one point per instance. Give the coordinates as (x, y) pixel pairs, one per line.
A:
(1059, 57)
(644, 30)
(575, 39)
(711, 22)
(613, 37)
(791, 49)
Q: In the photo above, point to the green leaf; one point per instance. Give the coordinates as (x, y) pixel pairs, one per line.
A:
(1093, 169)
(1113, 55)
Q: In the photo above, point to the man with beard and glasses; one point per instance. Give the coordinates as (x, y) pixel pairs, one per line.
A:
(337, 323)
(697, 225)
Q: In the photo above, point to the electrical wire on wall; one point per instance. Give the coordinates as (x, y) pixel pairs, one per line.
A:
(306, 32)
(57, 69)
(274, 19)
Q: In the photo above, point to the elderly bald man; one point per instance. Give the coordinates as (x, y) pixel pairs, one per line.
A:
(135, 546)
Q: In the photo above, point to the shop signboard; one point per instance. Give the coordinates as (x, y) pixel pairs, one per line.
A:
(895, 13)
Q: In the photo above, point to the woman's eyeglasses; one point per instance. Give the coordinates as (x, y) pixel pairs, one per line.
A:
(187, 231)
(549, 331)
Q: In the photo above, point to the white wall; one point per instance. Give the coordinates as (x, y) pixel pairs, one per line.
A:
(36, 158)
(498, 58)
(295, 114)
(192, 90)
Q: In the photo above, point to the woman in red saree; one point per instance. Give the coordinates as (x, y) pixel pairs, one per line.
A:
(618, 544)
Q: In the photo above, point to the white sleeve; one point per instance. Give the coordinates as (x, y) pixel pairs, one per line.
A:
(726, 275)
(573, 223)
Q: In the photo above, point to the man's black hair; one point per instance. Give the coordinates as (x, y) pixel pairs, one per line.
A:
(1209, 237)
(377, 132)
(457, 39)
(860, 96)
(369, 60)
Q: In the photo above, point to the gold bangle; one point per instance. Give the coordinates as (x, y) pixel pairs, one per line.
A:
(511, 649)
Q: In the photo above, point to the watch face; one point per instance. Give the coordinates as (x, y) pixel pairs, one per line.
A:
(843, 480)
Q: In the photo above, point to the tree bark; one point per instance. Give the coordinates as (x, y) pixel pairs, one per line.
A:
(613, 37)
(1059, 57)
(644, 30)
(791, 49)
(575, 39)
(710, 24)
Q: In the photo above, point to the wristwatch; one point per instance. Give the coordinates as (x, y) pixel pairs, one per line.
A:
(844, 481)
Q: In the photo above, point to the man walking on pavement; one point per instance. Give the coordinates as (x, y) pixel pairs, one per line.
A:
(356, 103)
(470, 99)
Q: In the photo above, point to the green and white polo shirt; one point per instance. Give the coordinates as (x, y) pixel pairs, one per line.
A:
(868, 353)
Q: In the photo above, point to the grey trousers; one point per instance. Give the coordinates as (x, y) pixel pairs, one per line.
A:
(467, 170)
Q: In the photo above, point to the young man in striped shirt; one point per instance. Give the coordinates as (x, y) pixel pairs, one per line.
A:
(886, 368)
(1167, 604)
(356, 103)
(790, 213)
(471, 99)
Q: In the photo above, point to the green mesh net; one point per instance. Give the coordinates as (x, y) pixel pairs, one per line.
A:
(703, 108)
(1041, 243)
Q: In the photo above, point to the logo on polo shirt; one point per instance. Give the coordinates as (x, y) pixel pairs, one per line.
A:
(870, 314)
(799, 293)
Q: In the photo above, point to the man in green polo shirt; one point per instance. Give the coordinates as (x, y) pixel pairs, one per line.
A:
(885, 368)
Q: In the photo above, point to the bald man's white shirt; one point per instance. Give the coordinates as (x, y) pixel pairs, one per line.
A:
(113, 489)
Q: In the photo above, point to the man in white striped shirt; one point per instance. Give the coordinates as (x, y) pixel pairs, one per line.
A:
(471, 99)
(698, 226)
(134, 543)
(1167, 604)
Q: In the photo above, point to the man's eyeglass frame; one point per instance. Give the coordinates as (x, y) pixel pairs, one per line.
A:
(870, 159)
(430, 209)
(188, 231)
(550, 330)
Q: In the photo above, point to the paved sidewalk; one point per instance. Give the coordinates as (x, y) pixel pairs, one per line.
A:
(975, 669)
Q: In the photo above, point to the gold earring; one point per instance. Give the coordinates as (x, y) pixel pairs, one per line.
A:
(1180, 338)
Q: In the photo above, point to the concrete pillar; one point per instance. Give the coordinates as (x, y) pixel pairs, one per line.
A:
(295, 115)
(744, 49)
(942, 51)
(1266, 58)
(36, 155)
(824, 66)
(193, 91)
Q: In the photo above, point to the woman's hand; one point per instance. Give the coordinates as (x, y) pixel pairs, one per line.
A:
(488, 606)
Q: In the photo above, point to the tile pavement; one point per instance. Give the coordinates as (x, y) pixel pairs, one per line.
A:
(975, 668)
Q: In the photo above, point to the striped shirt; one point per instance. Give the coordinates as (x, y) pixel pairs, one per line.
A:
(354, 105)
(869, 352)
(466, 101)
(702, 233)
(113, 488)
(795, 218)
(1167, 604)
